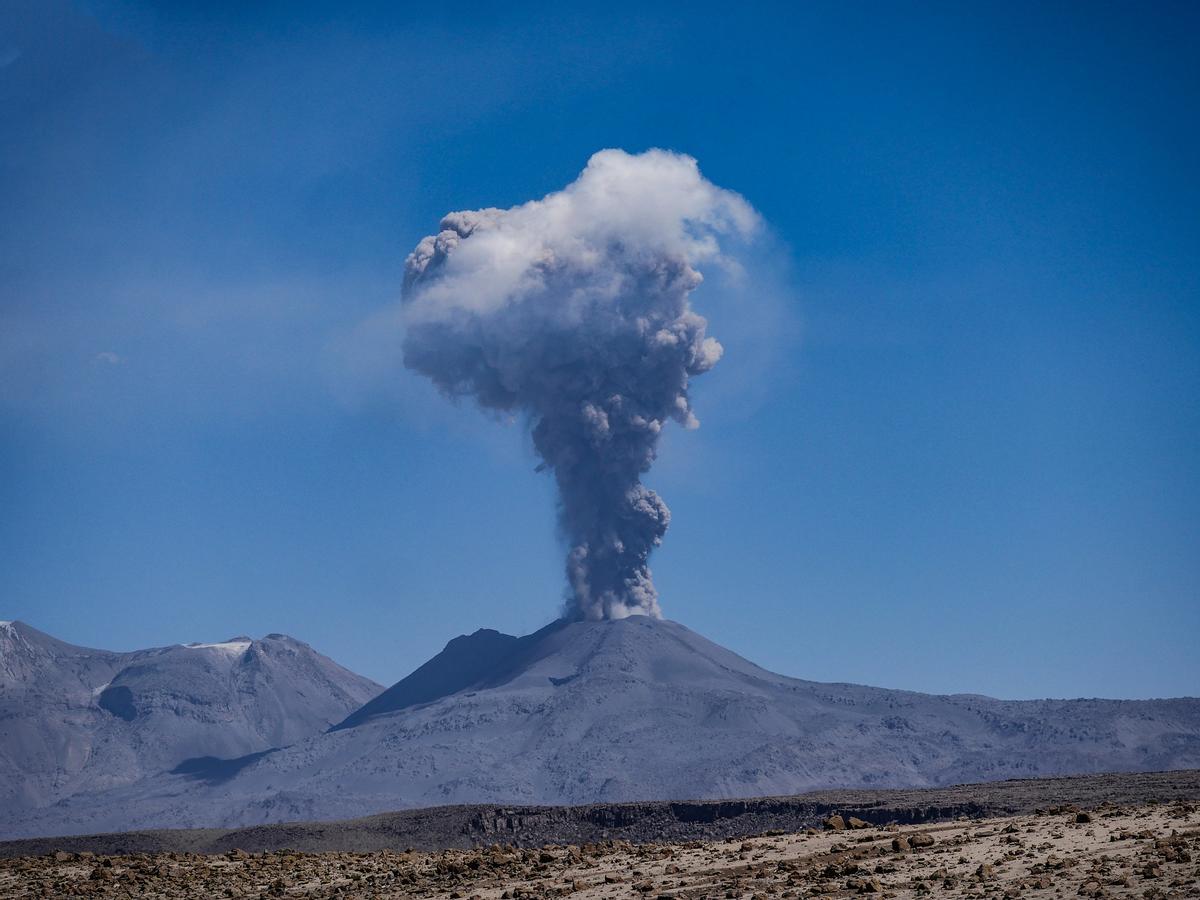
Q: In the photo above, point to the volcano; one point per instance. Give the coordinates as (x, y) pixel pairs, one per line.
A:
(634, 709)
(76, 720)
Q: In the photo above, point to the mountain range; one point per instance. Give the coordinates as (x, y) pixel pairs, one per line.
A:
(634, 709)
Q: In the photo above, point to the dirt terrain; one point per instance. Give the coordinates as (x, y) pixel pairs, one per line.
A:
(445, 827)
(1147, 851)
(1107, 847)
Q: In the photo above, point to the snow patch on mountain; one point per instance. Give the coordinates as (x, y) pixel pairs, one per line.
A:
(234, 647)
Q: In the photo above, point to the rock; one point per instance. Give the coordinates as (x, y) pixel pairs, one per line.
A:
(835, 823)
(985, 872)
(1083, 818)
(864, 885)
(857, 823)
(900, 844)
(921, 839)
(62, 856)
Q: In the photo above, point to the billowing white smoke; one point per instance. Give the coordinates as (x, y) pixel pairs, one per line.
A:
(574, 310)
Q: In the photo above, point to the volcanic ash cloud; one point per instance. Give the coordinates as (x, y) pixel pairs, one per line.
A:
(574, 312)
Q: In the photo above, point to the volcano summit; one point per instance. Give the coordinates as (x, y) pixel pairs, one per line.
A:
(633, 709)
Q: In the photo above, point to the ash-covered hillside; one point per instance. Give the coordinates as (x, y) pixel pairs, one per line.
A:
(76, 720)
(635, 709)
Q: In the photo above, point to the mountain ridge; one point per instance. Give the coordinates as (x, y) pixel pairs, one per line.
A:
(466, 661)
(79, 719)
(631, 710)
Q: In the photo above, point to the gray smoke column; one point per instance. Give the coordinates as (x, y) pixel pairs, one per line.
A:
(574, 311)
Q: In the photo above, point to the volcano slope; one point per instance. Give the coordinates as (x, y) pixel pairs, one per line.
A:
(635, 709)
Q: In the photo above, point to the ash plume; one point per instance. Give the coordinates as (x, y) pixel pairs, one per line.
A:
(573, 311)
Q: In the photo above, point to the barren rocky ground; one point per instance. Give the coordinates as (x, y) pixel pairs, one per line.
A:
(1143, 849)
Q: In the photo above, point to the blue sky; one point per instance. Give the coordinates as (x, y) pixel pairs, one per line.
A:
(955, 446)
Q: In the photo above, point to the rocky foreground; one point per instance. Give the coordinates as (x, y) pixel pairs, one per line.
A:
(1148, 850)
